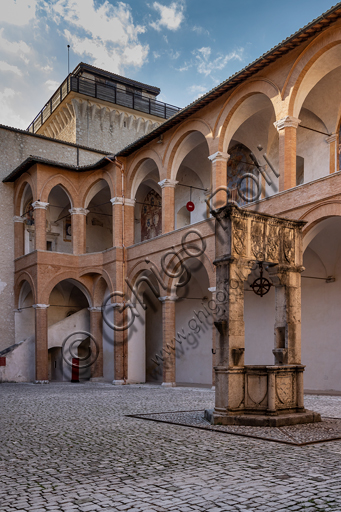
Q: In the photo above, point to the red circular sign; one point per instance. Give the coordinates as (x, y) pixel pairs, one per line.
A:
(190, 206)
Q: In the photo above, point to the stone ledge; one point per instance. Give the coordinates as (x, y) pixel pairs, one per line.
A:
(281, 420)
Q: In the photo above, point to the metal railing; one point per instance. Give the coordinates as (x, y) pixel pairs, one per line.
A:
(105, 92)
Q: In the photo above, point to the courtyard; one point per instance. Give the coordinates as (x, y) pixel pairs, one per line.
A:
(72, 447)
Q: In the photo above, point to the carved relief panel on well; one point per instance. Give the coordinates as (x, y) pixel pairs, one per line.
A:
(258, 240)
(240, 236)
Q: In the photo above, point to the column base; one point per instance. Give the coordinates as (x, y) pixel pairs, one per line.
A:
(257, 420)
(118, 382)
(41, 382)
(168, 384)
(97, 379)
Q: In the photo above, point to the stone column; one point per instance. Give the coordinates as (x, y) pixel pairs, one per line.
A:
(168, 201)
(96, 329)
(78, 229)
(332, 141)
(287, 314)
(286, 128)
(41, 343)
(168, 340)
(40, 225)
(120, 334)
(218, 179)
(230, 344)
(19, 233)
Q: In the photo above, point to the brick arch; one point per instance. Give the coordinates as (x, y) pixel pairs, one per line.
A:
(293, 90)
(132, 180)
(84, 283)
(65, 183)
(227, 121)
(203, 259)
(179, 136)
(134, 274)
(320, 212)
(21, 278)
(98, 276)
(90, 182)
(25, 179)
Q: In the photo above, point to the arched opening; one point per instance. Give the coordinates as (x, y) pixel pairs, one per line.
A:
(194, 320)
(193, 176)
(254, 136)
(321, 294)
(148, 202)
(99, 218)
(68, 314)
(145, 334)
(58, 221)
(27, 213)
(317, 105)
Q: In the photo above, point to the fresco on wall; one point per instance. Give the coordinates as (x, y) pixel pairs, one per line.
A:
(29, 214)
(239, 164)
(151, 216)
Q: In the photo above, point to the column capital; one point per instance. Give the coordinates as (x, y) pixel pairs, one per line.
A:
(332, 138)
(95, 309)
(122, 200)
(17, 218)
(78, 211)
(212, 289)
(168, 183)
(168, 298)
(39, 205)
(41, 306)
(219, 156)
(287, 122)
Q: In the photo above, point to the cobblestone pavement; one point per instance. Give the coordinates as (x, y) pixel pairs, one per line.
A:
(69, 447)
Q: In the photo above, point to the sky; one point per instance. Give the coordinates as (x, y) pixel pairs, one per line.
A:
(184, 47)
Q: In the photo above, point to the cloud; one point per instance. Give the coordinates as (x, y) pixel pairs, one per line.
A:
(52, 85)
(18, 12)
(4, 66)
(200, 30)
(197, 90)
(18, 48)
(8, 115)
(107, 34)
(170, 17)
(205, 66)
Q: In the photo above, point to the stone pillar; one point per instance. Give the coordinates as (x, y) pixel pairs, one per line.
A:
(40, 225)
(287, 314)
(117, 220)
(332, 141)
(78, 229)
(286, 128)
(168, 340)
(96, 329)
(218, 179)
(120, 333)
(168, 201)
(19, 233)
(41, 343)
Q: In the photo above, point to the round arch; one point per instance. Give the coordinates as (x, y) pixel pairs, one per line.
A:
(93, 185)
(23, 183)
(315, 215)
(19, 283)
(73, 277)
(307, 71)
(139, 168)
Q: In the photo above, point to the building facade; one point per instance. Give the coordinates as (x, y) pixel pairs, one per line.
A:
(104, 242)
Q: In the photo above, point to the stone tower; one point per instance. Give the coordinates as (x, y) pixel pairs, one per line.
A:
(105, 111)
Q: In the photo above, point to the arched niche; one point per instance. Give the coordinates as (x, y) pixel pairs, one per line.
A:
(192, 170)
(99, 218)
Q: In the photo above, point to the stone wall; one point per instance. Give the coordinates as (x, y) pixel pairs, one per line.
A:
(15, 147)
